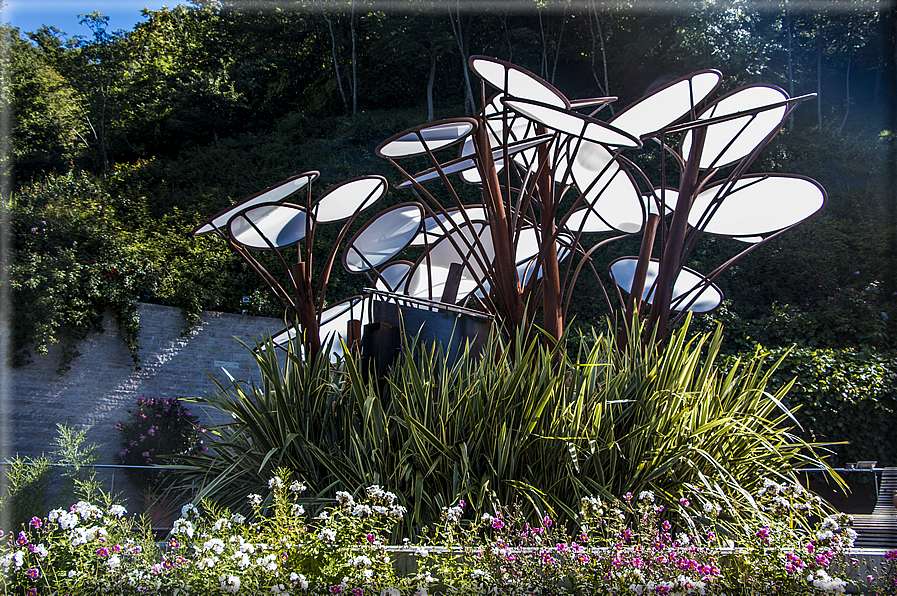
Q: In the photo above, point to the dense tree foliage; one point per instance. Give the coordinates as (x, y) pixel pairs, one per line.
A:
(199, 106)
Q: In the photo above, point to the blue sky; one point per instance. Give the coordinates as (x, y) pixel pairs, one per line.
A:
(29, 15)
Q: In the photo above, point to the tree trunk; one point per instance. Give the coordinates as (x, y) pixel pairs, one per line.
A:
(790, 64)
(847, 110)
(819, 77)
(354, 74)
(605, 89)
(557, 50)
(339, 80)
(430, 83)
(470, 105)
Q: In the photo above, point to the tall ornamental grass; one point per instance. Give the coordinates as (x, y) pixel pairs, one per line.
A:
(525, 421)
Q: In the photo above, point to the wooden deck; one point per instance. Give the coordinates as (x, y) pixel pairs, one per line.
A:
(879, 529)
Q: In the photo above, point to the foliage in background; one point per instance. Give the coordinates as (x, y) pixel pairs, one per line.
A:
(157, 431)
(28, 481)
(521, 422)
(33, 483)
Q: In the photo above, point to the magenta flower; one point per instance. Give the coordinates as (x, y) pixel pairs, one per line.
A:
(35, 522)
(498, 524)
(33, 573)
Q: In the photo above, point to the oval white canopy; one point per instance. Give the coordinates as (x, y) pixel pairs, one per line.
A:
(393, 276)
(383, 237)
(572, 123)
(273, 194)
(608, 189)
(432, 136)
(689, 285)
(729, 141)
(516, 81)
(433, 226)
(429, 275)
(279, 225)
(666, 105)
(756, 205)
(349, 197)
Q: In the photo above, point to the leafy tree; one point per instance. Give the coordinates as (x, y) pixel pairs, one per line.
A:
(47, 133)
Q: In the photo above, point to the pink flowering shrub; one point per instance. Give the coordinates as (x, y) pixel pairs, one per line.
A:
(157, 428)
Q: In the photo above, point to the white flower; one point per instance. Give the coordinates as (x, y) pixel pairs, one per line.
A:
(113, 561)
(236, 518)
(230, 583)
(189, 509)
(207, 562)
(297, 487)
(86, 510)
(215, 544)
(827, 583)
(182, 526)
(117, 511)
(345, 499)
(646, 494)
(221, 523)
(328, 534)
(275, 483)
(453, 514)
(298, 510)
(361, 511)
(300, 579)
(361, 560)
(242, 559)
(72, 573)
(390, 591)
(41, 551)
(254, 500)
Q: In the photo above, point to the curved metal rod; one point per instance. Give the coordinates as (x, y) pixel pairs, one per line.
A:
(585, 258)
(279, 293)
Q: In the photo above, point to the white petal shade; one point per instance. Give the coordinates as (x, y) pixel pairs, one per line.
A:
(393, 276)
(729, 141)
(383, 237)
(688, 285)
(608, 189)
(350, 197)
(431, 270)
(274, 194)
(432, 136)
(666, 105)
(572, 123)
(516, 82)
(281, 225)
(432, 230)
(334, 324)
(757, 205)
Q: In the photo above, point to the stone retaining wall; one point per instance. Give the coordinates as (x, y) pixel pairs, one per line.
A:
(103, 383)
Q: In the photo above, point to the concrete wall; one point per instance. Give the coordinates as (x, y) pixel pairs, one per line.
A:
(103, 383)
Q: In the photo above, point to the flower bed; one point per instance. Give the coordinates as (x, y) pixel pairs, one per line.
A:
(635, 546)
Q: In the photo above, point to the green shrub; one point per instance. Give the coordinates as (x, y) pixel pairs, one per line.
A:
(847, 395)
(523, 421)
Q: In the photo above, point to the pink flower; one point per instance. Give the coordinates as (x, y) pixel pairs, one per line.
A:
(498, 524)
(103, 551)
(35, 522)
(33, 573)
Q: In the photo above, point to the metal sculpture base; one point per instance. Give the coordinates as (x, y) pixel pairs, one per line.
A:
(396, 327)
